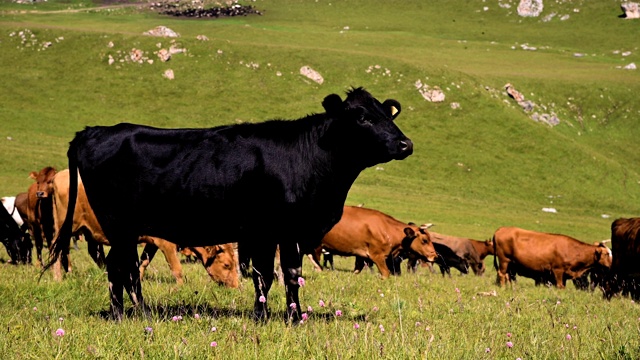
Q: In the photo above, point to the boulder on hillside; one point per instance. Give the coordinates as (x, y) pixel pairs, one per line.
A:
(311, 74)
(631, 10)
(530, 8)
(161, 31)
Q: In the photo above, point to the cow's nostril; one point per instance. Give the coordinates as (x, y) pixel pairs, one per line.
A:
(406, 145)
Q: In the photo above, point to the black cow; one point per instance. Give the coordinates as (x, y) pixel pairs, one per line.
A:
(624, 276)
(12, 237)
(263, 184)
(446, 259)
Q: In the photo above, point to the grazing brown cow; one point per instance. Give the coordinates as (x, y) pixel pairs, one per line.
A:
(221, 267)
(39, 217)
(374, 235)
(464, 248)
(543, 256)
(625, 272)
(483, 248)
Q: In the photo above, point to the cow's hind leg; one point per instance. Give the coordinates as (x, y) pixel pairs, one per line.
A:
(123, 274)
(147, 255)
(262, 257)
(291, 260)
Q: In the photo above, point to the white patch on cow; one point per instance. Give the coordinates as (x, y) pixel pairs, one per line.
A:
(9, 203)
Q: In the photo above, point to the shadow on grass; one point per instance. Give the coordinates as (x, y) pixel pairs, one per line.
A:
(167, 313)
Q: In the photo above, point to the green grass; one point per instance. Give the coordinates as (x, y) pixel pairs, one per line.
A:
(474, 169)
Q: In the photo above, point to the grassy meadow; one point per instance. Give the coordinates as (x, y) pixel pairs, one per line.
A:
(477, 167)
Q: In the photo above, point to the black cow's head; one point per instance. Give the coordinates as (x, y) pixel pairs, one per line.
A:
(364, 128)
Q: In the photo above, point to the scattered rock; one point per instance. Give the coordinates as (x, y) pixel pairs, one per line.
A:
(311, 74)
(202, 38)
(164, 55)
(195, 10)
(488, 293)
(631, 66)
(550, 210)
(530, 8)
(168, 74)
(631, 10)
(549, 119)
(455, 105)
(161, 31)
(515, 94)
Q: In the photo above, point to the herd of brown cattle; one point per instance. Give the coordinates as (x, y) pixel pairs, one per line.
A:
(369, 235)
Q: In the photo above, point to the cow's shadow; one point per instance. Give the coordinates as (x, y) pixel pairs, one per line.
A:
(180, 312)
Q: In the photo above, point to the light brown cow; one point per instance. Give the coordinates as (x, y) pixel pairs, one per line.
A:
(218, 260)
(374, 235)
(39, 217)
(545, 256)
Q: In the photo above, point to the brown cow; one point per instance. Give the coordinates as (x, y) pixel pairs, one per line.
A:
(221, 268)
(462, 247)
(39, 217)
(625, 273)
(374, 235)
(543, 256)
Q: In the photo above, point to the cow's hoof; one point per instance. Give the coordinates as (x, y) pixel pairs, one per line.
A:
(260, 315)
(292, 317)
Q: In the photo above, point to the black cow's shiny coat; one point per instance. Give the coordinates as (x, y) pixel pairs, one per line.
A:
(262, 184)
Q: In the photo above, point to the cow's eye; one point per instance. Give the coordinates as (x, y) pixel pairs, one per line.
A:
(365, 122)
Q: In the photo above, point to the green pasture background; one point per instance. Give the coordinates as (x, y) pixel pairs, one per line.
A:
(483, 165)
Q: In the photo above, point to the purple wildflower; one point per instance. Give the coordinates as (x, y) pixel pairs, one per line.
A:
(60, 332)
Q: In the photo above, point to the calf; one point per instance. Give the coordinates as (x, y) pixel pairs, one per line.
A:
(544, 256)
(373, 235)
(280, 179)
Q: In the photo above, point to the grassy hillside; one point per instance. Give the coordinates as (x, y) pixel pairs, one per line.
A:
(477, 167)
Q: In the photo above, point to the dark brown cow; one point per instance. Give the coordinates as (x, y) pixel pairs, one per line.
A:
(543, 256)
(374, 235)
(39, 216)
(462, 247)
(625, 272)
(218, 260)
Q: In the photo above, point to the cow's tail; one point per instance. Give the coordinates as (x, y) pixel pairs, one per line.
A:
(61, 242)
(495, 252)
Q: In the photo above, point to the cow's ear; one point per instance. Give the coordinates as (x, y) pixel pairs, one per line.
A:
(33, 175)
(392, 107)
(409, 232)
(332, 104)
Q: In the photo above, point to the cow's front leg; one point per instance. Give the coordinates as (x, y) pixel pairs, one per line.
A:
(131, 277)
(291, 260)
(116, 283)
(262, 258)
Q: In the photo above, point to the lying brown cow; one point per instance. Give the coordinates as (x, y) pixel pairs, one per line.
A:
(374, 235)
(625, 273)
(543, 256)
(38, 207)
(218, 260)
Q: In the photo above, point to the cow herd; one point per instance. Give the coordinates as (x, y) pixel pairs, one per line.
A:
(276, 187)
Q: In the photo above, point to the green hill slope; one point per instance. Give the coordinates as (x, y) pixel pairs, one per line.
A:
(477, 167)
